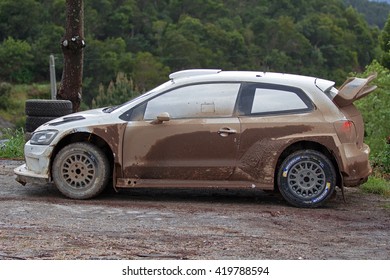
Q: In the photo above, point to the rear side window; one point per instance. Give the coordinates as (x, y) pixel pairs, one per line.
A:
(274, 100)
(268, 99)
(195, 101)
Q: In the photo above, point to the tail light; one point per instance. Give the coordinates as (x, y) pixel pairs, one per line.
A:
(346, 131)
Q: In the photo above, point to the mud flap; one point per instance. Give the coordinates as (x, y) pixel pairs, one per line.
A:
(342, 187)
(114, 179)
(343, 193)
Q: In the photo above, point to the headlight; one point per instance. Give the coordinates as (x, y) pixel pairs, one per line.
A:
(43, 137)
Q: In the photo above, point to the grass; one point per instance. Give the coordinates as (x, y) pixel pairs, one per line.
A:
(14, 111)
(377, 185)
(14, 148)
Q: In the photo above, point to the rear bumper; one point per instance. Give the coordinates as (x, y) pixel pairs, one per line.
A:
(356, 165)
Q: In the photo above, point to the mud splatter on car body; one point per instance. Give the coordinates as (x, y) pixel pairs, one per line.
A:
(209, 127)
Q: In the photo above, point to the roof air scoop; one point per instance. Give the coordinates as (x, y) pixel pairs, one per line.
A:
(193, 72)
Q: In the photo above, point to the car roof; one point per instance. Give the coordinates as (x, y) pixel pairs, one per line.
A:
(215, 75)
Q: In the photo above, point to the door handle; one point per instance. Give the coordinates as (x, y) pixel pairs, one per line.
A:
(226, 131)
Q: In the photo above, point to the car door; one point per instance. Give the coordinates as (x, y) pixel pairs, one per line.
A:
(195, 137)
(269, 115)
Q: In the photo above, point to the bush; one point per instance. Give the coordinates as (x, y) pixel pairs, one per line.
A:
(16, 60)
(375, 109)
(5, 90)
(383, 159)
(116, 93)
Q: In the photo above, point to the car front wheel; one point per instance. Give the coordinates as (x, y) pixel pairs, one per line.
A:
(307, 178)
(80, 170)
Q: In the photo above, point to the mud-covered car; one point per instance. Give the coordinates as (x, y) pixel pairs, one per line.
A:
(211, 128)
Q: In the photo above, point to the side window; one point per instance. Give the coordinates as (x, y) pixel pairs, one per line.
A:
(274, 100)
(195, 101)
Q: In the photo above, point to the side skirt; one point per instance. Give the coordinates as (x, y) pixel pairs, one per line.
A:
(150, 183)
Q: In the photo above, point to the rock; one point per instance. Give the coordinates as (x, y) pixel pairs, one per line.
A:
(2, 143)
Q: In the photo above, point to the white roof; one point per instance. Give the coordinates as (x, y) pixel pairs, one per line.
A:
(198, 75)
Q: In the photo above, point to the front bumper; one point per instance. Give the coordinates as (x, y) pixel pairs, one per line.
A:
(23, 176)
(37, 167)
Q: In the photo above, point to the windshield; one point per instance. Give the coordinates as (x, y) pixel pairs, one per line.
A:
(141, 97)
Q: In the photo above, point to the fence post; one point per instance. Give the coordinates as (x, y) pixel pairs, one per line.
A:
(53, 83)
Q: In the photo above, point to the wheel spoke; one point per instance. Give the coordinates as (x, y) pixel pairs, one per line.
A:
(306, 179)
(78, 170)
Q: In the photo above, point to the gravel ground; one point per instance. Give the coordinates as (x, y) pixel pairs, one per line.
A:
(37, 222)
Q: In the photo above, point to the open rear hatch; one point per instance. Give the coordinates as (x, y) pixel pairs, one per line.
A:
(354, 89)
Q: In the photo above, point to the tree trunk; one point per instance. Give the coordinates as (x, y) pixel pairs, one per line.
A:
(72, 45)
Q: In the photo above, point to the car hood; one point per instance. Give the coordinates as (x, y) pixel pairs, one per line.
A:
(354, 89)
(84, 118)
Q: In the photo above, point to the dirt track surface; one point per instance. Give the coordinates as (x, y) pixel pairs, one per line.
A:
(37, 222)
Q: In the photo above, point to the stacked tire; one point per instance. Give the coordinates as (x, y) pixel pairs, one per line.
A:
(40, 111)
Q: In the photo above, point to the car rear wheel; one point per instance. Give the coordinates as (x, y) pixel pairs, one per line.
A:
(81, 171)
(307, 178)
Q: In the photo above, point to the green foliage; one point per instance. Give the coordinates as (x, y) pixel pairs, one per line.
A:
(15, 60)
(148, 39)
(374, 12)
(385, 45)
(376, 110)
(148, 71)
(38, 91)
(384, 159)
(14, 111)
(13, 148)
(103, 60)
(20, 19)
(42, 47)
(377, 185)
(116, 93)
(5, 90)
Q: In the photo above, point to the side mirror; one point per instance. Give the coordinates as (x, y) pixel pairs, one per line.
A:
(163, 117)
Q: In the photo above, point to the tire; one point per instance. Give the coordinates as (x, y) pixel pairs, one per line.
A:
(33, 122)
(306, 179)
(81, 170)
(48, 107)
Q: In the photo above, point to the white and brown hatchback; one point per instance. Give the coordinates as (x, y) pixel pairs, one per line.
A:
(209, 127)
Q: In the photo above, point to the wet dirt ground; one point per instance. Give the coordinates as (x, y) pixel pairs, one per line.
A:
(37, 222)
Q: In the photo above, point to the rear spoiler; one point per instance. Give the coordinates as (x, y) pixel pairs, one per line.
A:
(354, 89)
